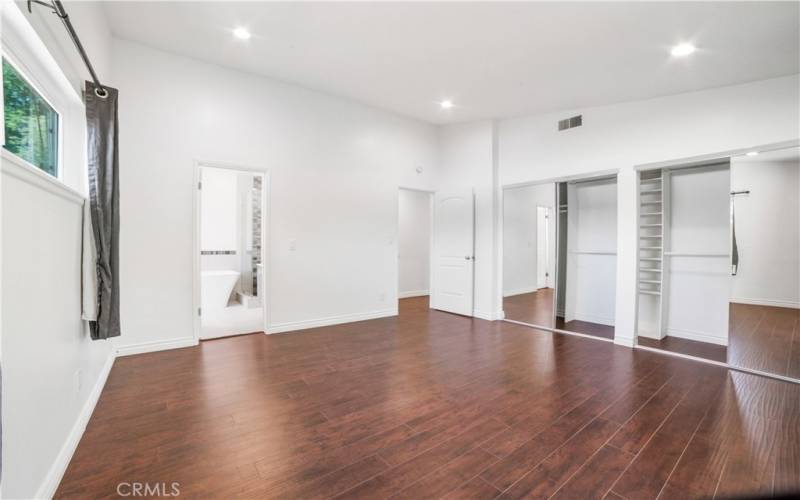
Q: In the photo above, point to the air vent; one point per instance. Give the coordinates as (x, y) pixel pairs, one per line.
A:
(575, 121)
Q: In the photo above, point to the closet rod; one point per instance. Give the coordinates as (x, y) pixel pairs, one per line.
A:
(61, 12)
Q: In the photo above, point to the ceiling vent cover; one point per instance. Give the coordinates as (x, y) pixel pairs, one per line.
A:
(566, 123)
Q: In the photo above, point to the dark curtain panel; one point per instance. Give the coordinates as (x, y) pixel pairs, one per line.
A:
(102, 131)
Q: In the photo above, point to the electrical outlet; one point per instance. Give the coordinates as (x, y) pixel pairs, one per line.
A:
(78, 380)
(382, 297)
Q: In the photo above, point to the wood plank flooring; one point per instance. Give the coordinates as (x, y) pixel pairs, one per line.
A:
(433, 405)
(765, 338)
(703, 350)
(760, 338)
(534, 308)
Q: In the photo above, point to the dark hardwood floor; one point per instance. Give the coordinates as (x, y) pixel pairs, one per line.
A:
(760, 338)
(534, 308)
(586, 328)
(765, 338)
(703, 350)
(433, 405)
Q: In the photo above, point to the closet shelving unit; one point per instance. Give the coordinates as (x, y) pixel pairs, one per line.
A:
(652, 265)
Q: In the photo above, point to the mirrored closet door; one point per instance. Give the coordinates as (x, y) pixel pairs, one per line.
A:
(529, 232)
(764, 327)
(587, 256)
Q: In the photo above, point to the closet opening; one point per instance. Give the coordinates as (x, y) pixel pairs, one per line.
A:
(684, 259)
(587, 256)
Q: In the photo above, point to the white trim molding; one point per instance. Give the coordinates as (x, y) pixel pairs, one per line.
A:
(413, 293)
(591, 318)
(56, 472)
(292, 326)
(520, 291)
(488, 316)
(155, 346)
(766, 302)
(20, 169)
(709, 338)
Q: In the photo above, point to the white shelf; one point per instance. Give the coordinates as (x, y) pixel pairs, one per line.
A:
(695, 254)
(649, 214)
(652, 259)
(651, 237)
(651, 282)
(641, 270)
(650, 225)
(649, 292)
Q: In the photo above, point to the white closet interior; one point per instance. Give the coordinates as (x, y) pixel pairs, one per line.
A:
(684, 253)
(590, 215)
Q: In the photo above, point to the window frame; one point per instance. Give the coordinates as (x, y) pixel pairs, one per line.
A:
(30, 78)
(30, 46)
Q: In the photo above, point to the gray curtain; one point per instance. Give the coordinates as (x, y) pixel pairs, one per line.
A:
(102, 131)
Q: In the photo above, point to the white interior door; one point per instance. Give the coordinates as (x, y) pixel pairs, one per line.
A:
(542, 246)
(454, 245)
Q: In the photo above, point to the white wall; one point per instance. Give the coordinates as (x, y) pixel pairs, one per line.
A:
(414, 242)
(334, 171)
(767, 231)
(520, 236)
(621, 136)
(219, 210)
(468, 159)
(699, 287)
(52, 371)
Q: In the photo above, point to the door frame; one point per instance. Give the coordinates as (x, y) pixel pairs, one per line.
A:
(196, 247)
(546, 246)
(430, 193)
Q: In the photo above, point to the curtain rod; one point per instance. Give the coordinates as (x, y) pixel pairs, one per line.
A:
(60, 11)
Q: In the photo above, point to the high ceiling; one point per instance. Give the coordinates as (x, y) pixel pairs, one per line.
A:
(491, 59)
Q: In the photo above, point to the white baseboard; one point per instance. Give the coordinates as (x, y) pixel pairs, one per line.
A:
(767, 302)
(488, 316)
(332, 320)
(519, 291)
(650, 334)
(56, 472)
(590, 318)
(408, 295)
(158, 345)
(624, 341)
(698, 336)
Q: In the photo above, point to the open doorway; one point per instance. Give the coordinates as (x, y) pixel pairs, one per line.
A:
(414, 248)
(230, 285)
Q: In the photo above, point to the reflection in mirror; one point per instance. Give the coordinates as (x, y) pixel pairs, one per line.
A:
(529, 254)
(765, 266)
(683, 272)
(587, 256)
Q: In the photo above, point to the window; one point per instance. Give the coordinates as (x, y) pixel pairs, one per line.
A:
(31, 124)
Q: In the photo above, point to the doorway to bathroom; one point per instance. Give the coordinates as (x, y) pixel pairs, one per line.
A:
(229, 247)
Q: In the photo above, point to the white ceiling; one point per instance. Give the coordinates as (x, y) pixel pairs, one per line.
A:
(491, 59)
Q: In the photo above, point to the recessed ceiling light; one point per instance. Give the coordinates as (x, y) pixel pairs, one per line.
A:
(683, 49)
(446, 104)
(241, 33)
(752, 153)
